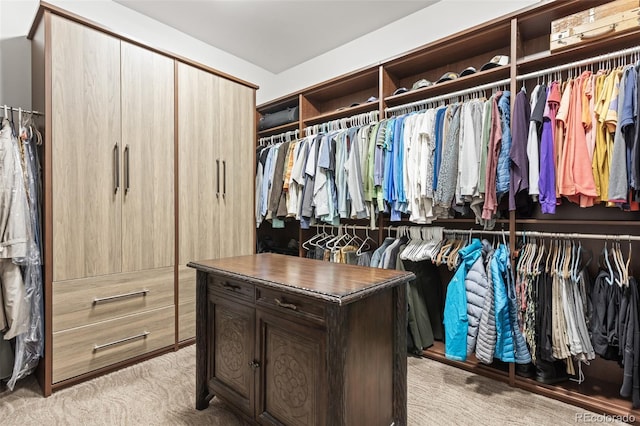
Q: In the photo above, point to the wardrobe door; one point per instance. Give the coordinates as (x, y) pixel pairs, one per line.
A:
(86, 139)
(147, 159)
(199, 184)
(237, 144)
(198, 178)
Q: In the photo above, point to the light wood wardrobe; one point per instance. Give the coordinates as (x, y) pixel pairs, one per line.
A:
(145, 168)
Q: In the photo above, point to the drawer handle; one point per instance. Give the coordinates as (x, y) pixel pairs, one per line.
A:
(120, 296)
(254, 364)
(142, 335)
(230, 287)
(286, 305)
(611, 28)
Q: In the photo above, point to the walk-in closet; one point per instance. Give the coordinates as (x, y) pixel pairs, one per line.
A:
(198, 230)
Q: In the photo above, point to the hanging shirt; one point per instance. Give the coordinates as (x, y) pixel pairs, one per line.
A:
(618, 181)
(502, 172)
(538, 100)
(519, 176)
(491, 197)
(449, 167)
(547, 181)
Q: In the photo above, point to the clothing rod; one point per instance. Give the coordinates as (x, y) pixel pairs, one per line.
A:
(450, 95)
(344, 226)
(578, 236)
(561, 235)
(293, 133)
(371, 116)
(9, 108)
(588, 61)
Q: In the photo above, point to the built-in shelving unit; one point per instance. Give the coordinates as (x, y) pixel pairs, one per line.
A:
(525, 37)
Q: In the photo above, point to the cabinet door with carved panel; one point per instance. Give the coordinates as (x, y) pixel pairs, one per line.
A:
(231, 365)
(292, 383)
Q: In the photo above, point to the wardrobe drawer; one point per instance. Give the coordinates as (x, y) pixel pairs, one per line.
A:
(84, 349)
(232, 288)
(186, 320)
(90, 300)
(186, 284)
(291, 303)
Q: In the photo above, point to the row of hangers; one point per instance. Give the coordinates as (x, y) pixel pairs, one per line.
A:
(473, 94)
(342, 238)
(358, 120)
(25, 124)
(282, 137)
(564, 258)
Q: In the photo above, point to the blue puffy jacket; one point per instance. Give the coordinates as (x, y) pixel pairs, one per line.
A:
(504, 160)
(455, 307)
(504, 340)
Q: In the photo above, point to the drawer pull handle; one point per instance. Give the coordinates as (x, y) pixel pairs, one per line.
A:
(120, 296)
(286, 305)
(611, 28)
(142, 335)
(254, 364)
(230, 287)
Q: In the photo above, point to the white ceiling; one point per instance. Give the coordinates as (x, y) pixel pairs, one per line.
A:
(276, 35)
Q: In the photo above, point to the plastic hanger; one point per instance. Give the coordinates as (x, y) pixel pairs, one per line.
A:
(609, 279)
(537, 262)
(365, 246)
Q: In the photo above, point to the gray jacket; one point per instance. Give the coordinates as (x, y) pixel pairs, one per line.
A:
(477, 286)
(486, 340)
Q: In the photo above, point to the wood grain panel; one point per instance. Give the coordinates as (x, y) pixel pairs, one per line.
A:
(186, 320)
(186, 303)
(292, 374)
(370, 336)
(73, 301)
(233, 327)
(339, 283)
(148, 166)
(187, 284)
(236, 136)
(85, 128)
(198, 116)
(74, 351)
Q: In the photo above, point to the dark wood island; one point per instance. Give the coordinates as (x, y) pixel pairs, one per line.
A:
(294, 341)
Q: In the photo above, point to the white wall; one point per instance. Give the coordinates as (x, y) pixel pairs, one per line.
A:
(432, 23)
(16, 17)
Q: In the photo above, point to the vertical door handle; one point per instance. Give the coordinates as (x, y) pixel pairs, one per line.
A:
(126, 169)
(217, 178)
(224, 178)
(116, 168)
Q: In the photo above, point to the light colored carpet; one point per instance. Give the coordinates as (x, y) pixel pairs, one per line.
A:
(161, 392)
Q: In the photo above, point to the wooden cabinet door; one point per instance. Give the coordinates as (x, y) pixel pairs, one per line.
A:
(292, 376)
(231, 350)
(199, 195)
(86, 139)
(237, 145)
(147, 159)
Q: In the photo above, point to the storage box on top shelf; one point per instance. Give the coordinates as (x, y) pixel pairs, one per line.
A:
(595, 23)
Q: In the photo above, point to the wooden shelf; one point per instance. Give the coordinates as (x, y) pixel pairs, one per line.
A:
(462, 83)
(596, 395)
(545, 59)
(436, 353)
(524, 36)
(279, 104)
(342, 113)
(279, 129)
